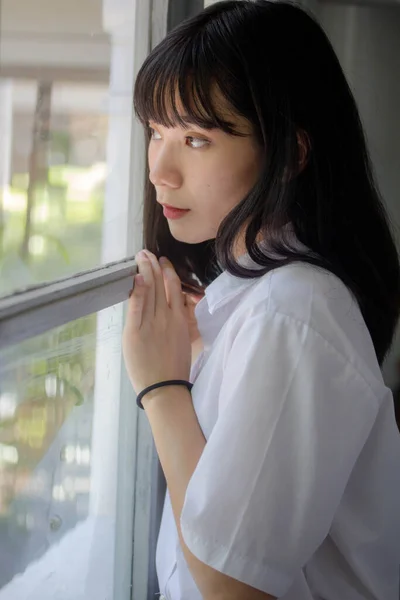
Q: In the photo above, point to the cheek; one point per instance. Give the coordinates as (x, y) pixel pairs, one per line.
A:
(150, 156)
(250, 169)
(234, 181)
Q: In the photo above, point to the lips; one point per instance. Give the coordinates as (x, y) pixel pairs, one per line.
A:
(173, 207)
(174, 213)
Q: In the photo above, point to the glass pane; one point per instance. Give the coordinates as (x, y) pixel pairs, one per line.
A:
(59, 423)
(65, 123)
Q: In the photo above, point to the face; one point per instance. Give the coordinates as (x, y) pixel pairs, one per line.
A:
(207, 172)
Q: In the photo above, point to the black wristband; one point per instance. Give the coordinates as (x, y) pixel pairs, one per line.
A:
(161, 384)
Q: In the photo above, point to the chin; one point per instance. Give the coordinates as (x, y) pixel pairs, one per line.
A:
(190, 234)
(188, 238)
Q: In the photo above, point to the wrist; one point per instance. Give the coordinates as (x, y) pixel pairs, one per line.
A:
(165, 397)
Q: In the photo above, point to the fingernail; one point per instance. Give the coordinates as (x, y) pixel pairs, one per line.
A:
(163, 260)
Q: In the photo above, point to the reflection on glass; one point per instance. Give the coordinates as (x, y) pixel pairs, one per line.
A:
(58, 137)
(46, 415)
(53, 205)
(57, 421)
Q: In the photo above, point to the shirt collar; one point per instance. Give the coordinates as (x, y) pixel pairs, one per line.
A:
(227, 287)
(226, 292)
(220, 299)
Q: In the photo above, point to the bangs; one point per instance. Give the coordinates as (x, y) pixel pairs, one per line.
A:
(182, 84)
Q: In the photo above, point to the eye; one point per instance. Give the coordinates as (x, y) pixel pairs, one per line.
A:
(197, 142)
(154, 135)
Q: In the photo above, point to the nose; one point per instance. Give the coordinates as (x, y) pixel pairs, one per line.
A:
(164, 167)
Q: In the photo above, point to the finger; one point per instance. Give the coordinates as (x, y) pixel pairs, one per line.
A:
(136, 302)
(161, 303)
(145, 269)
(167, 291)
(173, 285)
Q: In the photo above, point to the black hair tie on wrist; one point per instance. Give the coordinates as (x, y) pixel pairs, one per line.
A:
(161, 384)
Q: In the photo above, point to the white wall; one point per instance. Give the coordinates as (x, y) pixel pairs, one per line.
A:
(367, 41)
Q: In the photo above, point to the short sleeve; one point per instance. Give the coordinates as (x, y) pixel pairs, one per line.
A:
(293, 417)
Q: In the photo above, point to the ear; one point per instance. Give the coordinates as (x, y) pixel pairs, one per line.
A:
(304, 147)
(303, 142)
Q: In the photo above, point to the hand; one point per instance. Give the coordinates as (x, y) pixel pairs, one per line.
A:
(156, 341)
(191, 301)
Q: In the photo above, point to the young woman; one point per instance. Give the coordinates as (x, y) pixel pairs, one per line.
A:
(279, 444)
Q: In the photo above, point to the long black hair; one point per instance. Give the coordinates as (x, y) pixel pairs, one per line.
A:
(275, 66)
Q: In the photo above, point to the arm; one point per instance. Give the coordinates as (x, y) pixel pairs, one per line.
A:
(253, 510)
(180, 442)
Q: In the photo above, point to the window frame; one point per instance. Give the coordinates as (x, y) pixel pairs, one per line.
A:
(179, 10)
(37, 309)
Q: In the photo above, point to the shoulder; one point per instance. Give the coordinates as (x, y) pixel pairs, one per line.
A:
(315, 299)
(305, 293)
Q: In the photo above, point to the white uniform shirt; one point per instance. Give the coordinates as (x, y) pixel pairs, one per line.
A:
(297, 492)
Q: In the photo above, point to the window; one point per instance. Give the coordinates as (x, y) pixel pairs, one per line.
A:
(183, 9)
(75, 453)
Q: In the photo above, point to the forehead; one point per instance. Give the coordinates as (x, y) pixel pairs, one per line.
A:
(193, 108)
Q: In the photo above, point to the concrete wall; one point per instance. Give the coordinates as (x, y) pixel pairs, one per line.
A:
(53, 33)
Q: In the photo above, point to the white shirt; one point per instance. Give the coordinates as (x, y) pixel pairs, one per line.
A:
(297, 492)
